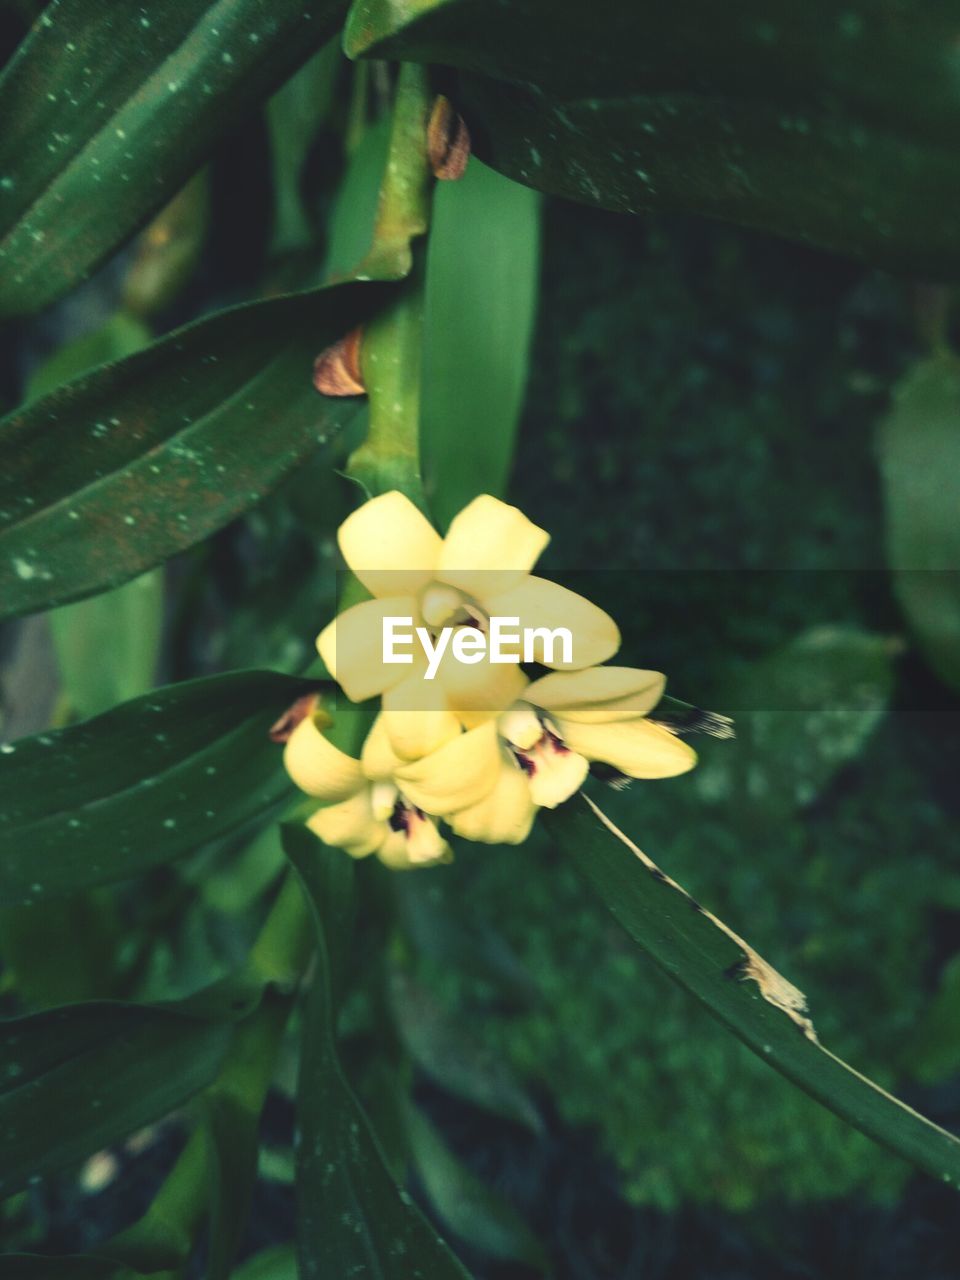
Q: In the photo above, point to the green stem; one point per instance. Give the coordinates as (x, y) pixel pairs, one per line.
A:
(391, 352)
(391, 357)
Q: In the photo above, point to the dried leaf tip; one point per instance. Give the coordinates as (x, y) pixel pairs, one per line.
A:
(298, 711)
(448, 141)
(336, 371)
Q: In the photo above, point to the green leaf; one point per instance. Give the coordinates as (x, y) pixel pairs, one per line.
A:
(825, 126)
(78, 1078)
(107, 112)
(107, 647)
(278, 1263)
(77, 1266)
(935, 1053)
(809, 709)
(919, 451)
(354, 213)
(483, 260)
(352, 1216)
(726, 976)
(141, 459)
(294, 114)
(233, 1108)
(108, 799)
(446, 1048)
(470, 1209)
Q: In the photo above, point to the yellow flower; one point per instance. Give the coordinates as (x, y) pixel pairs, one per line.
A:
(384, 803)
(481, 569)
(549, 738)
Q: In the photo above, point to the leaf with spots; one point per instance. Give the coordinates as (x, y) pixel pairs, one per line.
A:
(738, 986)
(76, 1079)
(353, 1219)
(140, 785)
(109, 108)
(138, 460)
(833, 127)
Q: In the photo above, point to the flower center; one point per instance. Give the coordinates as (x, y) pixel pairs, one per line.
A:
(443, 606)
(552, 769)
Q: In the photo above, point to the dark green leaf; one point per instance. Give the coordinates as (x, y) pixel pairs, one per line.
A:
(278, 1263)
(147, 782)
(446, 1048)
(354, 212)
(353, 1218)
(35, 1266)
(706, 960)
(833, 127)
(233, 1107)
(470, 1209)
(809, 709)
(141, 459)
(78, 1078)
(919, 447)
(935, 1054)
(107, 647)
(107, 111)
(483, 260)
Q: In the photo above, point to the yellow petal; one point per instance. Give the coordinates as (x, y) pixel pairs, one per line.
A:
(425, 844)
(352, 647)
(401, 854)
(390, 545)
(537, 602)
(378, 758)
(505, 816)
(318, 767)
(456, 775)
(477, 690)
(488, 547)
(598, 694)
(417, 719)
(638, 748)
(350, 826)
(556, 774)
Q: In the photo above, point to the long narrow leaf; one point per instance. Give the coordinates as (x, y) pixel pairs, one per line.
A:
(736, 985)
(147, 782)
(108, 108)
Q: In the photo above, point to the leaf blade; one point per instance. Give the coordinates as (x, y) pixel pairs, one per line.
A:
(128, 104)
(352, 1214)
(705, 959)
(146, 782)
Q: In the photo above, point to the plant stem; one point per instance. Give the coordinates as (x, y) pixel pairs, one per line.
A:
(391, 352)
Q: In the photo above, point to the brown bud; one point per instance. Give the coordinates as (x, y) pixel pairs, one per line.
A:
(336, 371)
(448, 141)
(294, 714)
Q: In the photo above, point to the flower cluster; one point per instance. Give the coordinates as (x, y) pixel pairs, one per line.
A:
(482, 747)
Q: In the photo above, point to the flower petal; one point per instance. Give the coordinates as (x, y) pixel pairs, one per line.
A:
(378, 758)
(537, 602)
(318, 767)
(639, 748)
(426, 848)
(350, 826)
(598, 694)
(505, 816)
(456, 775)
(474, 691)
(415, 733)
(556, 773)
(352, 647)
(488, 547)
(390, 545)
